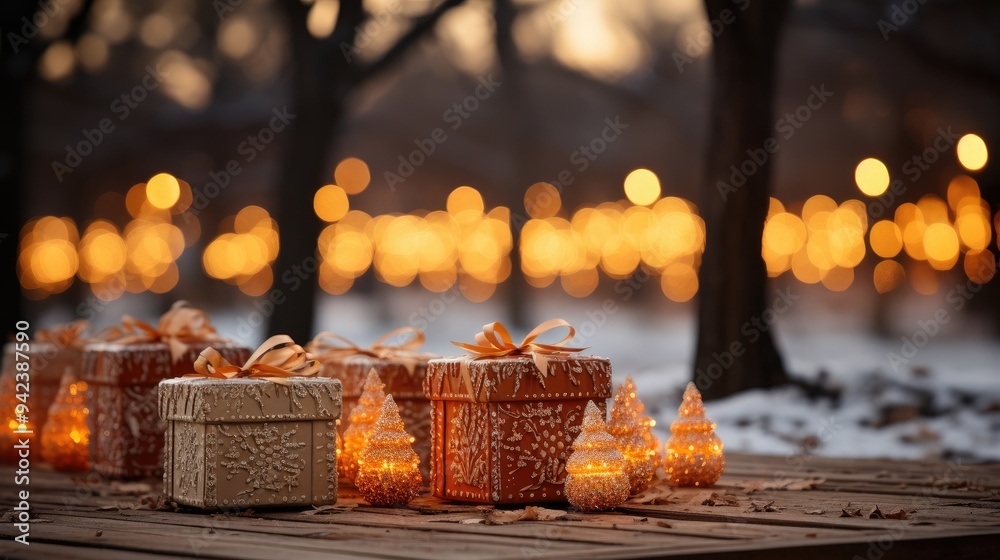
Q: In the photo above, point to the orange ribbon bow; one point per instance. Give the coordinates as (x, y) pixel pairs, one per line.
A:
(329, 346)
(494, 341)
(68, 335)
(277, 359)
(178, 327)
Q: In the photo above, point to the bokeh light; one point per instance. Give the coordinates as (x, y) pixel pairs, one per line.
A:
(972, 152)
(642, 187)
(163, 190)
(330, 203)
(872, 177)
(352, 175)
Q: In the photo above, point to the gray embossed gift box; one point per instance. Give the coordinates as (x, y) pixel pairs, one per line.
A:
(239, 443)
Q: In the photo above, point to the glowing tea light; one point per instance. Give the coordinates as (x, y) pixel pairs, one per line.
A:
(388, 468)
(693, 452)
(596, 478)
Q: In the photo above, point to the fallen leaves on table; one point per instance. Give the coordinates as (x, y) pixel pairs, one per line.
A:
(752, 486)
(149, 501)
(715, 499)
(660, 495)
(846, 512)
(769, 507)
(898, 514)
(815, 512)
(329, 509)
(493, 516)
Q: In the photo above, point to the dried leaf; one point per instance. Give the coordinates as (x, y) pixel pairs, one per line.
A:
(130, 488)
(658, 496)
(714, 499)
(782, 484)
(769, 507)
(664, 524)
(875, 513)
(815, 512)
(898, 514)
(850, 512)
(329, 509)
(473, 521)
(98, 533)
(535, 513)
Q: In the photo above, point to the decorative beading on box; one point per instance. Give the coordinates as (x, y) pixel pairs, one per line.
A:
(501, 433)
(250, 442)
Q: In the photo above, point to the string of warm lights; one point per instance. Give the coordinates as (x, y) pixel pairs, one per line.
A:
(468, 245)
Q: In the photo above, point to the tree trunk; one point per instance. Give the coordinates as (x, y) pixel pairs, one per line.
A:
(735, 348)
(321, 78)
(520, 135)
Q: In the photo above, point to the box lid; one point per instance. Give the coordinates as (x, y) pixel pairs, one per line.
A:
(517, 378)
(199, 399)
(149, 362)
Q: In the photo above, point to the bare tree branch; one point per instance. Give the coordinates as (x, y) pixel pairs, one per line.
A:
(421, 25)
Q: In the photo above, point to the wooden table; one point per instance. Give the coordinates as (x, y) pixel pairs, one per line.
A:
(762, 507)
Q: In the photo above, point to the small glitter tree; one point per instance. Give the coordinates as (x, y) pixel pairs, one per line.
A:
(640, 460)
(596, 478)
(693, 452)
(65, 435)
(361, 421)
(388, 468)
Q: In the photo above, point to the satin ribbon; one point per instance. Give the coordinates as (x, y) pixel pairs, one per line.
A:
(275, 360)
(494, 341)
(68, 335)
(329, 346)
(179, 327)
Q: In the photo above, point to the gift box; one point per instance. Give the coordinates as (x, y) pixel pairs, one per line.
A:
(503, 420)
(53, 352)
(241, 438)
(126, 438)
(399, 366)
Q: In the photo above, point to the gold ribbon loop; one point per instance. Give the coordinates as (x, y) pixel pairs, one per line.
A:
(179, 327)
(278, 358)
(494, 341)
(329, 346)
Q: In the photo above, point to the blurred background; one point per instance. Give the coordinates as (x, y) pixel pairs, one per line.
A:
(672, 178)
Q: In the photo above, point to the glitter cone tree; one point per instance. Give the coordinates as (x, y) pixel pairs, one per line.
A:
(65, 435)
(388, 468)
(693, 452)
(360, 423)
(596, 478)
(625, 426)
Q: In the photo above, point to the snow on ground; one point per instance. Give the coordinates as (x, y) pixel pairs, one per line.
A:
(944, 403)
